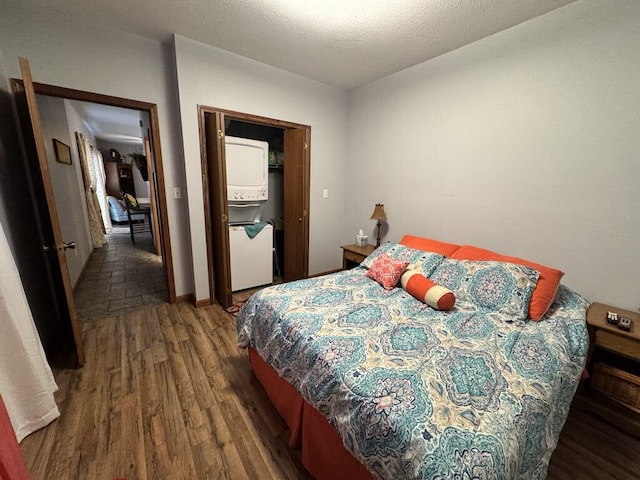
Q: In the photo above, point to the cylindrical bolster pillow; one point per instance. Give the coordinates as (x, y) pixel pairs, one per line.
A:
(426, 291)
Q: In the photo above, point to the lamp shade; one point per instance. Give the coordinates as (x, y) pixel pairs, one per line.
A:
(378, 212)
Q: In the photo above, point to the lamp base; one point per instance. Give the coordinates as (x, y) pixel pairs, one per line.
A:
(378, 237)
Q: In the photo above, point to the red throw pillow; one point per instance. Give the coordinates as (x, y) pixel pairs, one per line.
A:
(546, 288)
(387, 271)
(429, 245)
(420, 287)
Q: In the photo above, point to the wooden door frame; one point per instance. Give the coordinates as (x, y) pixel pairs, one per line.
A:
(152, 110)
(204, 110)
(152, 190)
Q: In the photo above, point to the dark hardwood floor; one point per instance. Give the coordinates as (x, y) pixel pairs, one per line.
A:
(166, 394)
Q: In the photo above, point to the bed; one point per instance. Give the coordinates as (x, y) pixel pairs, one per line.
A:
(374, 383)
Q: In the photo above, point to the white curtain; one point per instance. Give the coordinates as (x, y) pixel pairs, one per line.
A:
(90, 180)
(96, 166)
(26, 380)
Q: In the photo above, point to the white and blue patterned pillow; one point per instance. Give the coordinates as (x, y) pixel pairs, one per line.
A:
(419, 260)
(489, 285)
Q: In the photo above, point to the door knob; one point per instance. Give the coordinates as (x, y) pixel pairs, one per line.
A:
(71, 245)
(299, 219)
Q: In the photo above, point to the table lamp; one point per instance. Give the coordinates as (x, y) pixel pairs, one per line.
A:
(379, 215)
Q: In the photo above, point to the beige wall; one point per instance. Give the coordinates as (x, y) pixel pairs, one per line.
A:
(526, 142)
(213, 77)
(98, 58)
(66, 180)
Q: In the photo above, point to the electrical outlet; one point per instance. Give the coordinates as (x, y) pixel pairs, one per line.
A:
(625, 324)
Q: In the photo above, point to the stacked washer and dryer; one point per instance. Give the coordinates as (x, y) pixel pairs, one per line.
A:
(251, 253)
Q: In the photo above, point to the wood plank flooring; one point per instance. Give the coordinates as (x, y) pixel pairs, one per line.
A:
(166, 394)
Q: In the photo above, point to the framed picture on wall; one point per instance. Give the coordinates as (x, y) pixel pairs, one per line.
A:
(63, 152)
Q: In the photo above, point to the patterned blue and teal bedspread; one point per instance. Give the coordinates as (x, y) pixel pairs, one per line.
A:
(417, 393)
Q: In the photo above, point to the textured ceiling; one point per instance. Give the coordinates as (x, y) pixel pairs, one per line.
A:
(344, 43)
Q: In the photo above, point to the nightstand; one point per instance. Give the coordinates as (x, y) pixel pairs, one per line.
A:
(614, 355)
(352, 255)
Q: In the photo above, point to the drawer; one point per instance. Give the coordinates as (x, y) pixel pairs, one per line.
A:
(625, 346)
(353, 257)
(617, 384)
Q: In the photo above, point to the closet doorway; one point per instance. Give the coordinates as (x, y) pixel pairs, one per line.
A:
(290, 169)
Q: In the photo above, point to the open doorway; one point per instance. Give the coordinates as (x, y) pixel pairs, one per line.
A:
(271, 210)
(289, 175)
(116, 262)
(122, 269)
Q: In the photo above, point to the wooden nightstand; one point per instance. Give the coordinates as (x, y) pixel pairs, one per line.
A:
(352, 255)
(617, 375)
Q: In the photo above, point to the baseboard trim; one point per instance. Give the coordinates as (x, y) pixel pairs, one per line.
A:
(325, 273)
(189, 297)
(185, 298)
(84, 269)
(202, 303)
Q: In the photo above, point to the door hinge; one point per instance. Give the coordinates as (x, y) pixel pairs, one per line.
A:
(306, 146)
(224, 218)
(220, 134)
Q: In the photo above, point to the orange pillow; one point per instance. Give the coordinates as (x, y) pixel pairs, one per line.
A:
(420, 287)
(546, 288)
(429, 245)
(387, 271)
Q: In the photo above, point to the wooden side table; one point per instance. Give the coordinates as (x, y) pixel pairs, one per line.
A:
(352, 255)
(613, 380)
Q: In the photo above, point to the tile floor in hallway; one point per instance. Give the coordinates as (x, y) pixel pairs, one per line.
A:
(121, 275)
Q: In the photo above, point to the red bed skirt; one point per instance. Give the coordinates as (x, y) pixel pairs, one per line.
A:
(323, 453)
(12, 465)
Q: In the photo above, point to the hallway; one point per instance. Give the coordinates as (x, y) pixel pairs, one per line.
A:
(120, 275)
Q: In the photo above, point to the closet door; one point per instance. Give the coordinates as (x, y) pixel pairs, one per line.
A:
(214, 130)
(296, 203)
(152, 192)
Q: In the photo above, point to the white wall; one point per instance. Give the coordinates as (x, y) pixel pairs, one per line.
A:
(213, 77)
(526, 142)
(66, 181)
(101, 59)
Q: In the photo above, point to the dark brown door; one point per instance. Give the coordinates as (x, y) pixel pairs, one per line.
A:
(214, 128)
(296, 203)
(55, 246)
(152, 194)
